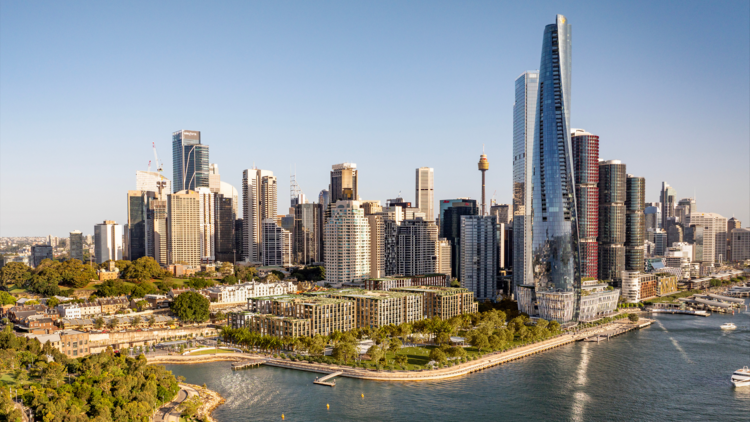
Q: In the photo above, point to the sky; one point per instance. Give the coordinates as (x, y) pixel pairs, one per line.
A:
(87, 87)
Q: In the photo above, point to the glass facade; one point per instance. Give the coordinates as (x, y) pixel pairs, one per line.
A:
(524, 118)
(307, 244)
(635, 224)
(555, 259)
(586, 170)
(138, 235)
(189, 161)
(451, 228)
(612, 195)
(224, 231)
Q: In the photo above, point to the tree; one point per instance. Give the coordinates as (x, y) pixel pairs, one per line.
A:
(344, 351)
(437, 355)
(112, 324)
(402, 360)
(191, 307)
(136, 321)
(52, 302)
(480, 341)
(141, 269)
(6, 298)
(394, 345)
(77, 274)
(246, 273)
(633, 317)
(31, 302)
(376, 353)
(455, 283)
(190, 406)
(229, 279)
(99, 323)
(151, 321)
(14, 273)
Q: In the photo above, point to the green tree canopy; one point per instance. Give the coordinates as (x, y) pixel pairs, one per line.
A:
(113, 288)
(191, 306)
(437, 355)
(6, 298)
(143, 268)
(75, 273)
(15, 273)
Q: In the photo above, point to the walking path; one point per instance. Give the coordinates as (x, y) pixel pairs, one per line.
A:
(168, 412)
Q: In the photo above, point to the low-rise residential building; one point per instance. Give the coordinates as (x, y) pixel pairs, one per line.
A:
(325, 315)
(377, 308)
(598, 300)
(110, 305)
(122, 322)
(18, 313)
(40, 324)
(72, 343)
(79, 310)
(387, 283)
(241, 292)
(444, 302)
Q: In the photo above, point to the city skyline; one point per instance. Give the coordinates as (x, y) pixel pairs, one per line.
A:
(285, 132)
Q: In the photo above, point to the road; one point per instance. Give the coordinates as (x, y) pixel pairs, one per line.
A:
(169, 412)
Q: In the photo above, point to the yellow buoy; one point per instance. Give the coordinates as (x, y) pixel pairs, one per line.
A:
(282, 416)
(363, 396)
(328, 406)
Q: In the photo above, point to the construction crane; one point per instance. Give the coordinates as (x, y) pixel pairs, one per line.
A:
(159, 165)
(493, 201)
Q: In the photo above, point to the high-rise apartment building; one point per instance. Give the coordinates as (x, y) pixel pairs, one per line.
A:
(451, 228)
(417, 243)
(344, 183)
(76, 245)
(668, 199)
(189, 161)
(307, 245)
(740, 241)
(479, 256)
(555, 258)
(259, 202)
(207, 217)
(108, 241)
(732, 224)
(612, 219)
(425, 192)
(444, 257)
(524, 119)
(347, 243)
(384, 241)
(652, 214)
(184, 225)
(586, 169)
(682, 211)
(224, 231)
(635, 223)
(157, 228)
(140, 237)
(276, 244)
(39, 253)
(714, 236)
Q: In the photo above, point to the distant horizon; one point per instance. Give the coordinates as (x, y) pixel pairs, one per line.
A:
(87, 88)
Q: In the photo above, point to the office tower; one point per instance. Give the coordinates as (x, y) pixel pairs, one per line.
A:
(652, 215)
(502, 213)
(371, 207)
(483, 166)
(239, 239)
(259, 196)
(398, 202)
(152, 181)
(732, 224)
(684, 208)
(158, 230)
(425, 192)
(714, 236)
(324, 198)
(207, 218)
(612, 219)
(740, 241)
(444, 205)
(444, 257)
(660, 242)
(184, 225)
(139, 237)
(586, 169)
(347, 243)
(501, 243)
(674, 234)
(524, 118)
(377, 245)
(344, 183)
(189, 161)
(276, 244)
(76, 245)
(214, 178)
(287, 221)
(40, 253)
(218, 186)
(635, 224)
(417, 242)
(555, 225)
(108, 241)
(668, 198)
(224, 229)
(451, 227)
(308, 234)
(479, 256)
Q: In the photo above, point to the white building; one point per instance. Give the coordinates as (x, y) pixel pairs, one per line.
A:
(79, 310)
(241, 292)
(347, 243)
(479, 256)
(711, 243)
(631, 286)
(425, 192)
(108, 241)
(207, 223)
(152, 181)
(444, 257)
(598, 300)
(277, 244)
(259, 202)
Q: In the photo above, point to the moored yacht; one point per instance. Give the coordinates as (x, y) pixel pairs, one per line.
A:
(741, 377)
(728, 326)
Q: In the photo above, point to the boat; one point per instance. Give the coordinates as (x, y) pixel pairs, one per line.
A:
(728, 326)
(741, 377)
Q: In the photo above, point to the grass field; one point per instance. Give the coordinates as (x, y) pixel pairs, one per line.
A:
(7, 378)
(211, 352)
(418, 356)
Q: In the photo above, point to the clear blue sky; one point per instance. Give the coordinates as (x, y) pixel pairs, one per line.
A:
(86, 87)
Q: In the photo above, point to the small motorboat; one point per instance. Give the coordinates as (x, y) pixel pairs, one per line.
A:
(728, 326)
(741, 377)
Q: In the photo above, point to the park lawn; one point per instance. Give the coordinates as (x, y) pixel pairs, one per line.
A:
(418, 356)
(211, 352)
(17, 290)
(7, 378)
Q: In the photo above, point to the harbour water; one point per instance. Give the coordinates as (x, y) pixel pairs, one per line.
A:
(678, 369)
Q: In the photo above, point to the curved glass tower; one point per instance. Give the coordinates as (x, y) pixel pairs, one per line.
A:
(555, 258)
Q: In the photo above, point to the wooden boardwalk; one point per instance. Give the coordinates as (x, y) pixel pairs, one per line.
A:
(323, 381)
(617, 330)
(250, 363)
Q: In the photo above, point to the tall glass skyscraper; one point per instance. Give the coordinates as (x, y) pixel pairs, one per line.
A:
(586, 170)
(189, 161)
(524, 118)
(555, 259)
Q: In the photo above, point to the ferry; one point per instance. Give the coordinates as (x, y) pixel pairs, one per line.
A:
(728, 326)
(741, 377)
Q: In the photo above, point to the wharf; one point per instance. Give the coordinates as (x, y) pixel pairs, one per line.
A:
(250, 363)
(618, 329)
(323, 381)
(679, 311)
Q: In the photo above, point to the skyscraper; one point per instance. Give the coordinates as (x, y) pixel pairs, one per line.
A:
(503, 213)
(140, 238)
(259, 201)
(451, 228)
(207, 221)
(612, 219)
(184, 217)
(635, 224)
(41, 252)
(324, 198)
(276, 244)
(479, 258)
(425, 192)
(668, 198)
(344, 183)
(189, 160)
(107, 241)
(417, 243)
(652, 214)
(524, 119)
(308, 234)
(555, 227)
(76, 245)
(682, 211)
(732, 224)
(225, 224)
(586, 168)
(714, 239)
(347, 243)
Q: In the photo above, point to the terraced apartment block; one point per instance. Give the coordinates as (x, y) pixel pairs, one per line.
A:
(387, 283)
(299, 315)
(443, 302)
(376, 308)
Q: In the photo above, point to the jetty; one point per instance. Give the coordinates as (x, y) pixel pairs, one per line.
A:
(249, 363)
(679, 311)
(324, 380)
(616, 330)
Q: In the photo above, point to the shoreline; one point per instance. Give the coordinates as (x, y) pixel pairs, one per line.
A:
(214, 400)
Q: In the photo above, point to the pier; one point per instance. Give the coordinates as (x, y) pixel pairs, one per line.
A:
(324, 380)
(618, 329)
(250, 363)
(678, 311)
